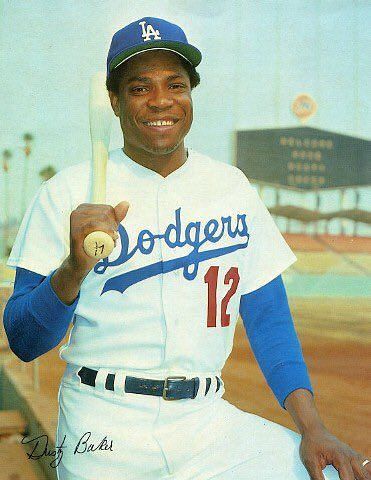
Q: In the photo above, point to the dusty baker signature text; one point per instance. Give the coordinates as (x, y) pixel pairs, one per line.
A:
(41, 448)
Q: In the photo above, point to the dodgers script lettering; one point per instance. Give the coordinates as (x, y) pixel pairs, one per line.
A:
(194, 235)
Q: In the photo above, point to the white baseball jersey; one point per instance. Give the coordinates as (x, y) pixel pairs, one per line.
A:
(166, 300)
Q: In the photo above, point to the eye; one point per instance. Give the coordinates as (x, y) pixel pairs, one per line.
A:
(138, 89)
(175, 86)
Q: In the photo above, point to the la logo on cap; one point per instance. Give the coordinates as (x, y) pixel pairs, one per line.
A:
(149, 31)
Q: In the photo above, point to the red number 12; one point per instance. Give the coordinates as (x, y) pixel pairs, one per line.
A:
(211, 278)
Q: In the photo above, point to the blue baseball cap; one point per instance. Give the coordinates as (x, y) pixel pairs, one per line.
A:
(149, 33)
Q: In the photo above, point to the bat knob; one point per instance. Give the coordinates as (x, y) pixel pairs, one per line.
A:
(98, 244)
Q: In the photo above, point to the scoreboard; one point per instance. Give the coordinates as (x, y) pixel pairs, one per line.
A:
(304, 158)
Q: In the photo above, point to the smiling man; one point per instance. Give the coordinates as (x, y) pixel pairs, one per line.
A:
(153, 323)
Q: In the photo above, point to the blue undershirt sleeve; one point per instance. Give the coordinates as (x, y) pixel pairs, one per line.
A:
(35, 319)
(270, 329)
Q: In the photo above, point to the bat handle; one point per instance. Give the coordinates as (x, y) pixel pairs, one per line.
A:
(98, 244)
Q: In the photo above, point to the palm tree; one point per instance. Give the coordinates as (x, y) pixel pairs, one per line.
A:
(7, 154)
(47, 172)
(27, 138)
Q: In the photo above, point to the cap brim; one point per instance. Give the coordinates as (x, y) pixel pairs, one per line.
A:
(188, 52)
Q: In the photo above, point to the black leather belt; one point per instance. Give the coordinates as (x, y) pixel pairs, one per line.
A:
(172, 388)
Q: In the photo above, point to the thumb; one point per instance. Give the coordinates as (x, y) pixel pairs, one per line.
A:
(121, 210)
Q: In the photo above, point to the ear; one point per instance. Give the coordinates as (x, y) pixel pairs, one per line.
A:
(115, 104)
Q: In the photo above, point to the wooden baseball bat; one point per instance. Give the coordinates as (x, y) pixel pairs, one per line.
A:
(99, 244)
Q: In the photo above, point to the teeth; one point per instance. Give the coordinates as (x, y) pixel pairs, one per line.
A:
(160, 123)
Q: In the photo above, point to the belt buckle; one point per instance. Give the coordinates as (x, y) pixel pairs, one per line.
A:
(166, 388)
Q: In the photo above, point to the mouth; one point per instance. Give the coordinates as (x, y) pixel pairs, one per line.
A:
(161, 125)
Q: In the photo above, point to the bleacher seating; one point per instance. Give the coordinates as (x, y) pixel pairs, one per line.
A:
(338, 254)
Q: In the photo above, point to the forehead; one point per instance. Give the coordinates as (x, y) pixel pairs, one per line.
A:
(154, 61)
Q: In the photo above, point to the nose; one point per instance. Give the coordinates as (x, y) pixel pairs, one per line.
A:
(160, 99)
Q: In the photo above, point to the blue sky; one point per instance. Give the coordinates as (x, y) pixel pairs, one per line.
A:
(257, 57)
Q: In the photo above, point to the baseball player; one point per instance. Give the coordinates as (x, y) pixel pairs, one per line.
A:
(153, 324)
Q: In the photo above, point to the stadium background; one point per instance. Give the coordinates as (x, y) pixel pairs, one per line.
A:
(258, 58)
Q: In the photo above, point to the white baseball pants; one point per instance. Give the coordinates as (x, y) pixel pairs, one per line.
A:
(124, 436)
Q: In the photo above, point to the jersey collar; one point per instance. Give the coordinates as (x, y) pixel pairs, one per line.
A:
(145, 172)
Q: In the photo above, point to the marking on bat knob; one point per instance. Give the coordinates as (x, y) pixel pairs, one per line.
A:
(97, 247)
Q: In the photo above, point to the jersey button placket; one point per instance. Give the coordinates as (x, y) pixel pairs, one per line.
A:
(166, 216)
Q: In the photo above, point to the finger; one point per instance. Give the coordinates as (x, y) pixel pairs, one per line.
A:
(94, 225)
(359, 471)
(367, 470)
(345, 470)
(314, 470)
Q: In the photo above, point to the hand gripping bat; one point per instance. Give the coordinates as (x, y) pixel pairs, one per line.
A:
(99, 244)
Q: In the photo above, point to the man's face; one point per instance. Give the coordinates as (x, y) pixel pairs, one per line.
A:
(155, 87)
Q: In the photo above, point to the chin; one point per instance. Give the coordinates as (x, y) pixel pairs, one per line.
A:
(162, 149)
